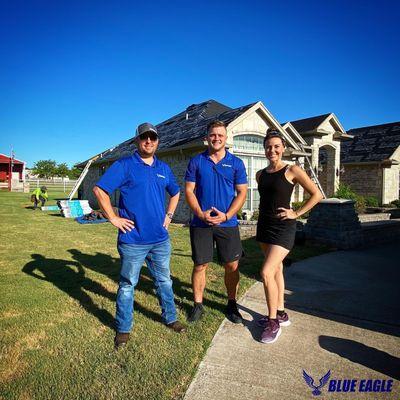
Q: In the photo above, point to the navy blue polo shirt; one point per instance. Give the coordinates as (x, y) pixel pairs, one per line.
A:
(215, 183)
(142, 196)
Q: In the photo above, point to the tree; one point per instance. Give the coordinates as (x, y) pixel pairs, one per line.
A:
(74, 173)
(62, 170)
(45, 168)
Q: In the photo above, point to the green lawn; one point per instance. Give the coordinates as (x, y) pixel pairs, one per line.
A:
(58, 282)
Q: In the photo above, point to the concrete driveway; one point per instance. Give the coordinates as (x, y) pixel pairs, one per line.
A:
(345, 313)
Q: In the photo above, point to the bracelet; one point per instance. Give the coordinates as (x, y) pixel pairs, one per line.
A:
(226, 217)
(170, 215)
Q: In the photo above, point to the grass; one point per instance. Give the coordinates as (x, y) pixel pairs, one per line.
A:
(58, 282)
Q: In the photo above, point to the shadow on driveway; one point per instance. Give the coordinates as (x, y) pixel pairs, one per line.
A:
(359, 353)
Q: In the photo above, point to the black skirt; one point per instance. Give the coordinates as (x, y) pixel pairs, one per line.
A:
(272, 230)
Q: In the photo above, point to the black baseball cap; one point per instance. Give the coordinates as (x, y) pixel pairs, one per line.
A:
(144, 128)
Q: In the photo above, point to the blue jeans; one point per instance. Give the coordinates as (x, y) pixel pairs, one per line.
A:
(157, 257)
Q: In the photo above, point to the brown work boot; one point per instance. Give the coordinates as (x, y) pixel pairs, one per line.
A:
(177, 327)
(120, 340)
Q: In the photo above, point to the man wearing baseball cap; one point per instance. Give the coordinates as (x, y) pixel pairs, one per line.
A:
(142, 223)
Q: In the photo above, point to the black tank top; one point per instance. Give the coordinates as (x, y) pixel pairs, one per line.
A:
(275, 191)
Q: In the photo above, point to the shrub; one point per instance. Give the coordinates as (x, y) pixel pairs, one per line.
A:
(296, 205)
(371, 201)
(360, 204)
(345, 192)
(254, 217)
(395, 203)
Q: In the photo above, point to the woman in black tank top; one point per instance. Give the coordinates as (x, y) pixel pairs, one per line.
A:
(276, 227)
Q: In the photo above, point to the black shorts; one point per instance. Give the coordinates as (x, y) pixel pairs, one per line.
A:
(275, 231)
(227, 240)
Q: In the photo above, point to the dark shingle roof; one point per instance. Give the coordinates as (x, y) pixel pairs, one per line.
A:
(309, 124)
(371, 143)
(178, 130)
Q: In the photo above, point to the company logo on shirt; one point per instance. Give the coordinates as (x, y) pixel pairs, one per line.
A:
(161, 176)
(227, 165)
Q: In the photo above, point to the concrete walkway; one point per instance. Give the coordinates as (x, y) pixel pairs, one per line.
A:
(345, 313)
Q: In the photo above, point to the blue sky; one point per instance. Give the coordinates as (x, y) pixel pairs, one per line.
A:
(76, 77)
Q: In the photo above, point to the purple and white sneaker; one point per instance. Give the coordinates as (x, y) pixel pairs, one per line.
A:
(271, 332)
(283, 320)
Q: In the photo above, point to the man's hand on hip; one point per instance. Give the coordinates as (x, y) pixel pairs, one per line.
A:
(123, 224)
(167, 221)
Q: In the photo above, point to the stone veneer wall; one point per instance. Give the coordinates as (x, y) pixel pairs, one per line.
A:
(365, 180)
(322, 177)
(178, 163)
(88, 183)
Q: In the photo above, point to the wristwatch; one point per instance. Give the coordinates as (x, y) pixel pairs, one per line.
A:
(170, 215)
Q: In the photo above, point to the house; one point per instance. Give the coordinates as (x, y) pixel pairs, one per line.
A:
(325, 135)
(183, 135)
(371, 161)
(15, 168)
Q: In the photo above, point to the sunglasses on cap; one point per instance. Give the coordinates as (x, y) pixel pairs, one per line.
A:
(148, 135)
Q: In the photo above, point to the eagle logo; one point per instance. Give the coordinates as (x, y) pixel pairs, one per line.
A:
(322, 382)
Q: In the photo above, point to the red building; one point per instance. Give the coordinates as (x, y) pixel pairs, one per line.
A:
(16, 166)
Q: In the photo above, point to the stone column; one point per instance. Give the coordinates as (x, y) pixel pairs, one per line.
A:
(335, 222)
(390, 184)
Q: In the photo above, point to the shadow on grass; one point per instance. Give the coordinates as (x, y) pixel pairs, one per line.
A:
(110, 267)
(359, 353)
(69, 277)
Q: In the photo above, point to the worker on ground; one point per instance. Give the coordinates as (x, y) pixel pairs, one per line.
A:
(39, 195)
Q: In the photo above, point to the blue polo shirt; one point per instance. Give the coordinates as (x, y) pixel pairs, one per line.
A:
(142, 196)
(215, 183)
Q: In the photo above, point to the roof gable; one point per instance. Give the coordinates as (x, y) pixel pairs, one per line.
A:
(291, 130)
(309, 124)
(191, 124)
(6, 159)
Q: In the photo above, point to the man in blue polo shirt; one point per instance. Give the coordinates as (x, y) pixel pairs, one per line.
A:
(216, 188)
(142, 225)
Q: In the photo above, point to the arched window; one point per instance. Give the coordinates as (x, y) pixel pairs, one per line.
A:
(252, 143)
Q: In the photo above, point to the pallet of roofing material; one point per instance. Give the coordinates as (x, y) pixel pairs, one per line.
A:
(50, 208)
(74, 208)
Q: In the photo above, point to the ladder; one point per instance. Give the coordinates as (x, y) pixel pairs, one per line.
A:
(81, 177)
(314, 175)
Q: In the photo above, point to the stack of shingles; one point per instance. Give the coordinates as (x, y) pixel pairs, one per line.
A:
(74, 208)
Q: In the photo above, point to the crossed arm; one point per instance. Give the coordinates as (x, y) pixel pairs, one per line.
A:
(219, 216)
